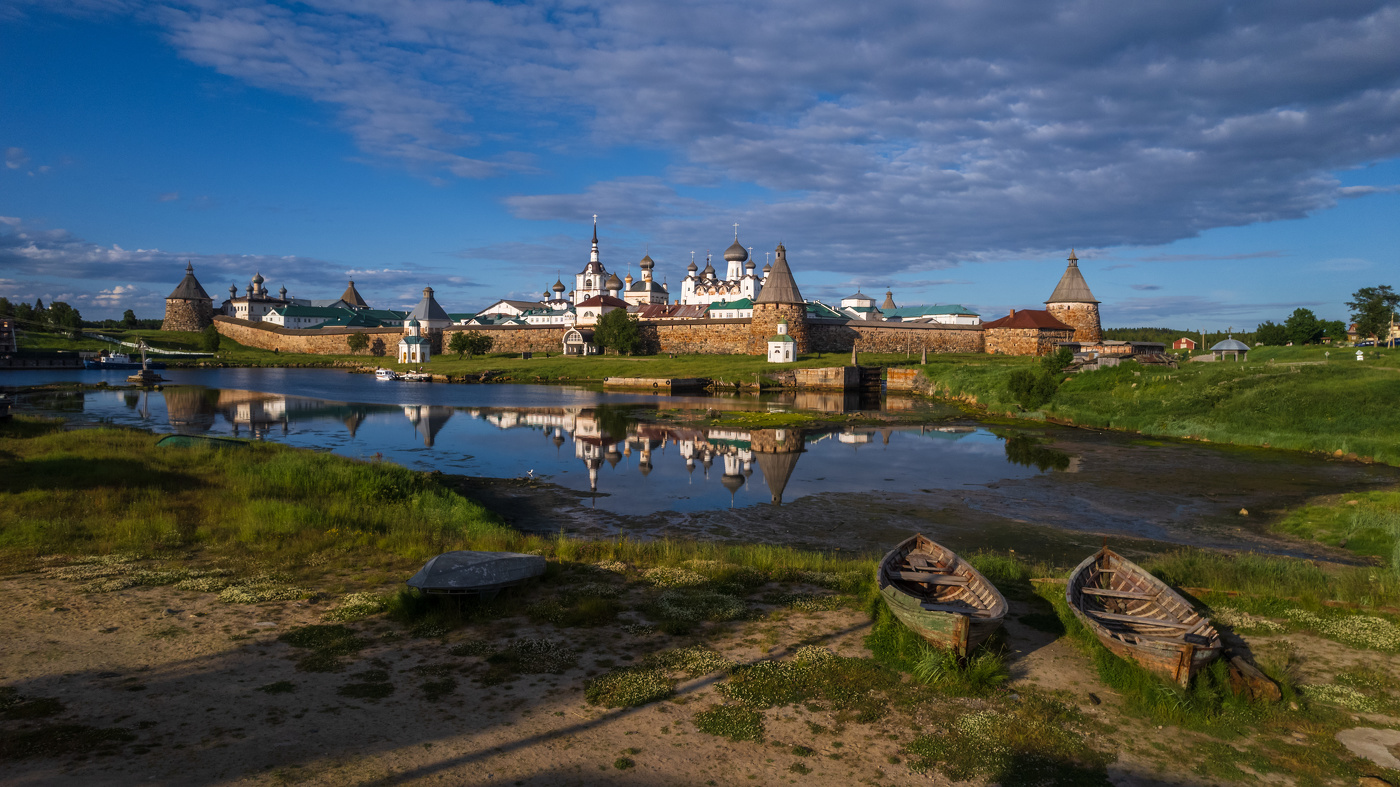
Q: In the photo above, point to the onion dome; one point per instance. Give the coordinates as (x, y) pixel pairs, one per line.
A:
(732, 482)
(257, 278)
(613, 283)
(558, 286)
(233, 291)
(627, 279)
(647, 263)
(735, 252)
(283, 292)
(691, 266)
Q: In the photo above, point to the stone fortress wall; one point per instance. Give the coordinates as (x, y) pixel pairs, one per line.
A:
(682, 337)
(183, 314)
(1024, 341)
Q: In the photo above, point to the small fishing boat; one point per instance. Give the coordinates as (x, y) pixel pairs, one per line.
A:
(119, 361)
(416, 377)
(1138, 617)
(939, 596)
(385, 374)
(475, 573)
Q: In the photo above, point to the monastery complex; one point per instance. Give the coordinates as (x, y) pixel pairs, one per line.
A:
(747, 311)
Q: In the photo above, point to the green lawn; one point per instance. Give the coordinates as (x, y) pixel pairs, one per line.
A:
(1283, 397)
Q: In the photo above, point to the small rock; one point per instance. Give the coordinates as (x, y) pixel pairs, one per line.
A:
(1094, 699)
(265, 624)
(169, 612)
(1338, 452)
(1372, 781)
(1244, 512)
(1293, 706)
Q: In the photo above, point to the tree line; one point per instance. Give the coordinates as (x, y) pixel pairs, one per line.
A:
(60, 317)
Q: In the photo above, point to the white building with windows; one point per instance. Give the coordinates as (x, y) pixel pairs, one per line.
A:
(782, 348)
(413, 347)
(740, 279)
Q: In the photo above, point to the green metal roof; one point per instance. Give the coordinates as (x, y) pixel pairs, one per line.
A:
(312, 311)
(924, 311)
(781, 337)
(742, 303)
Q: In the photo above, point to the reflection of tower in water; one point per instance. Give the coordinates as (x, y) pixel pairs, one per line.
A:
(190, 409)
(427, 420)
(776, 451)
(733, 478)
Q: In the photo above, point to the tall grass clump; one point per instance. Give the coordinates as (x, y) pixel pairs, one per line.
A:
(1277, 578)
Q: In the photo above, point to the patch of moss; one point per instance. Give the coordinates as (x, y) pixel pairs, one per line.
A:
(734, 722)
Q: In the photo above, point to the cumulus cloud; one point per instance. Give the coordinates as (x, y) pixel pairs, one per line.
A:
(906, 135)
(169, 196)
(1146, 286)
(15, 158)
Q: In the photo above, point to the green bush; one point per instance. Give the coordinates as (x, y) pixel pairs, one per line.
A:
(1031, 388)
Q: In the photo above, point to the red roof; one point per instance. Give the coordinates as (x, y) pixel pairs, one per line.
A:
(1028, 318)
(604, 300)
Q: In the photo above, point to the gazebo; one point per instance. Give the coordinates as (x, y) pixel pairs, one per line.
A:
(1232, 347)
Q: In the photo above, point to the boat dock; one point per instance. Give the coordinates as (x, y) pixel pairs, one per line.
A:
(667, 384)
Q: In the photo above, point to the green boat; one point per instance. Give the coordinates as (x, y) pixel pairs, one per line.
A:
(199, 441)
(939, 596)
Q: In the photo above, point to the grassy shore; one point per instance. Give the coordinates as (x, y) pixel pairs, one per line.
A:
(1282, 397)
(266, 524)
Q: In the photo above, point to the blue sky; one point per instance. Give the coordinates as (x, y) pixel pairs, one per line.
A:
(1214, 165)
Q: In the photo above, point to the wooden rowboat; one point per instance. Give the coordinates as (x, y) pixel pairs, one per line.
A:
(1138, 617)
(939, 596)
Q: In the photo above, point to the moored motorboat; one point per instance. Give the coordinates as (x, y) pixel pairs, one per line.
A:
(416, 377)
(385, 374)
(939, 596)
(475, 573)
(122, 361)
(1138, 617)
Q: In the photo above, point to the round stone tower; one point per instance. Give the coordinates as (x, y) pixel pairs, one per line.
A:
(189, 307)
(1072, 304)
(778, 300)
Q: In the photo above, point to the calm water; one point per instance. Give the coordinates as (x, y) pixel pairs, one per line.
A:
(631, 468)
(585, 440)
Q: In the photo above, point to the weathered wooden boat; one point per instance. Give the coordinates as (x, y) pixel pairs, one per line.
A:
(1138, 617)
(939, 596)
(199, 441)
(475, 573)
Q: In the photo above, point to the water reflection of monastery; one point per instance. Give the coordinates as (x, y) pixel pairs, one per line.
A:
(598, 433)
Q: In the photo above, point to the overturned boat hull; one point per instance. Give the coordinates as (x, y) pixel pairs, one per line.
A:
(476, 573)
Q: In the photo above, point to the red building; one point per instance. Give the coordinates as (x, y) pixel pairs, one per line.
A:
(1184, 344)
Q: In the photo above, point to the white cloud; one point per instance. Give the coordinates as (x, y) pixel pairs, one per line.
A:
(169, 196)
(15, 158)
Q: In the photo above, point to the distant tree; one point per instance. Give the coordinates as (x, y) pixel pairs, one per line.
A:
(1303, 327)
(39, 316)
(209, 339)
(24, 316)
(470, 343)
(1336, 330)
(129, 319)
(64, 318)
(6, 310)
(1373, 309)
(1271, 333)
(618, 331)
(357, 342)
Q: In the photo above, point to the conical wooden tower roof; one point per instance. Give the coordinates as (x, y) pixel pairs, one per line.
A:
(777, 469)
(1072, 287)
(352, 297)
(188, 288)
(779, 287)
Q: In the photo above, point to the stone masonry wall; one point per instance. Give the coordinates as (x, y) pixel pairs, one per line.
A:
(187, 315)
(514, 339)
(1025, 341)
(328, 341)
(765, 324)
(833, 337)
(1082, 317)
(708, 337)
